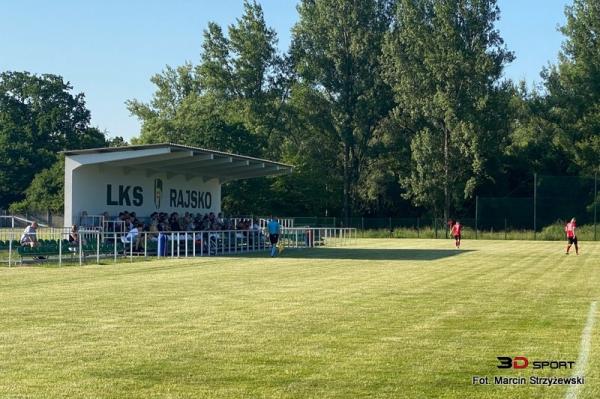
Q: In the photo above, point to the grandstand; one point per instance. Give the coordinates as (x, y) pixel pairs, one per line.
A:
(111, 191)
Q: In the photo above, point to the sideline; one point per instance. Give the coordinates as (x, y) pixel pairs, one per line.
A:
(584, 351)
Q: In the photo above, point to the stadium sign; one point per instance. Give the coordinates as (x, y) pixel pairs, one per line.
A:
(133, 196)
(154, 177)
(105, 189)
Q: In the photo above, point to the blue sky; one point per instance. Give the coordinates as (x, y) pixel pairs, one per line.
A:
(109, 49)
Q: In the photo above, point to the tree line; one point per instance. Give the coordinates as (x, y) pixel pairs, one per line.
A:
(384, 107)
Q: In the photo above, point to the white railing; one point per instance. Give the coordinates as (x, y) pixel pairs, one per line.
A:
(95, 244)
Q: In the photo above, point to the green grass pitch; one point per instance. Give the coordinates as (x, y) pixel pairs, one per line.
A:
(381, 319)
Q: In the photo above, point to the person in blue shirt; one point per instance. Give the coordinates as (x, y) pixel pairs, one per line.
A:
(273, 228)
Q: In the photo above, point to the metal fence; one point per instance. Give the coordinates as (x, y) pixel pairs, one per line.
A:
(96, 245)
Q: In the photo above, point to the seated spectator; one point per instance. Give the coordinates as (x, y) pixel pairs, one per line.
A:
(74, 235)
(139, 240)
(153, 229)
(174, 222)
(29, 236)
(107, 222)
(131, 236)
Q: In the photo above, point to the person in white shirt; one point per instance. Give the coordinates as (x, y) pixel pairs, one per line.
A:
(29, 236)
(131, 236)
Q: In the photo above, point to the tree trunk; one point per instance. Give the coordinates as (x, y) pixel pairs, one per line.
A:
(347, 184)
(446, 175)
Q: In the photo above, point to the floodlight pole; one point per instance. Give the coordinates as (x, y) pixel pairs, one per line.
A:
(476, 216)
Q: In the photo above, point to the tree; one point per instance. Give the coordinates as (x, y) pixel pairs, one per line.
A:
(233, 100)
(443, 60)
(39, 116)
(336, 50)
(573, 88)
(236, 79)
(46, 191)
(117, 141)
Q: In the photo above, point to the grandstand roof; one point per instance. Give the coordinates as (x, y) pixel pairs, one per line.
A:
(180, 159)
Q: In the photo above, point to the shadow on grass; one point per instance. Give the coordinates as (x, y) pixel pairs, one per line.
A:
(367, 253)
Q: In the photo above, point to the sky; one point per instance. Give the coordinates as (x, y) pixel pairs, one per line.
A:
(109, 49)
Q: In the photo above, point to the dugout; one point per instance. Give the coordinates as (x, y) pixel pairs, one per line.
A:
(154, 178)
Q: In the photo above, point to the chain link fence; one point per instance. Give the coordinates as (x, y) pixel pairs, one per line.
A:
(541, 215)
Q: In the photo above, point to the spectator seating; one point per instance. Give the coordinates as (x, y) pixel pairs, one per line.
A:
(48, 248)
(5, 245)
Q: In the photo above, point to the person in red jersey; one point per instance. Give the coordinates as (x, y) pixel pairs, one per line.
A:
(571, 235)
(456, 232)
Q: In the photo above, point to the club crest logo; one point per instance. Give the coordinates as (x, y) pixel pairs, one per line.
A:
(158, 189)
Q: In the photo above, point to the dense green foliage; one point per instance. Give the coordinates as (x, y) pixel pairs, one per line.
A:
(46, 191)
(448, 52)
(384, 107)
(39, 117)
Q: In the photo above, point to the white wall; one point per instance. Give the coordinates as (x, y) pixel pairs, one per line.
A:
(87, 189)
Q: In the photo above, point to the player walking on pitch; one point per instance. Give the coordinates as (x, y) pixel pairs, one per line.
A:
(456, 233)
(571, 235)
(273, 228)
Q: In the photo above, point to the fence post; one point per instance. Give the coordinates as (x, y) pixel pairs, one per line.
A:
(595, 205)
(59, 250)
(535, 206)
(476, 217)
(418, 228)
(97, 246)
(10, 241)
(173, 245)
(185, 237)
(80, 253)
(435, 227)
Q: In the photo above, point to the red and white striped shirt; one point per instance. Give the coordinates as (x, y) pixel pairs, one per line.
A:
(570, 229)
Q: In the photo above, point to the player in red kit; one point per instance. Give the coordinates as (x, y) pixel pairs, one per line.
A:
(456, 232)
(571, 235)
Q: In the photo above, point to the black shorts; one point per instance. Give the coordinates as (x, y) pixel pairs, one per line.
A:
(273, 238)
(457, 237)
(572, 240)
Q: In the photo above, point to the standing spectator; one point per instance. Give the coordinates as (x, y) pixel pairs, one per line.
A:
(29, 236)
